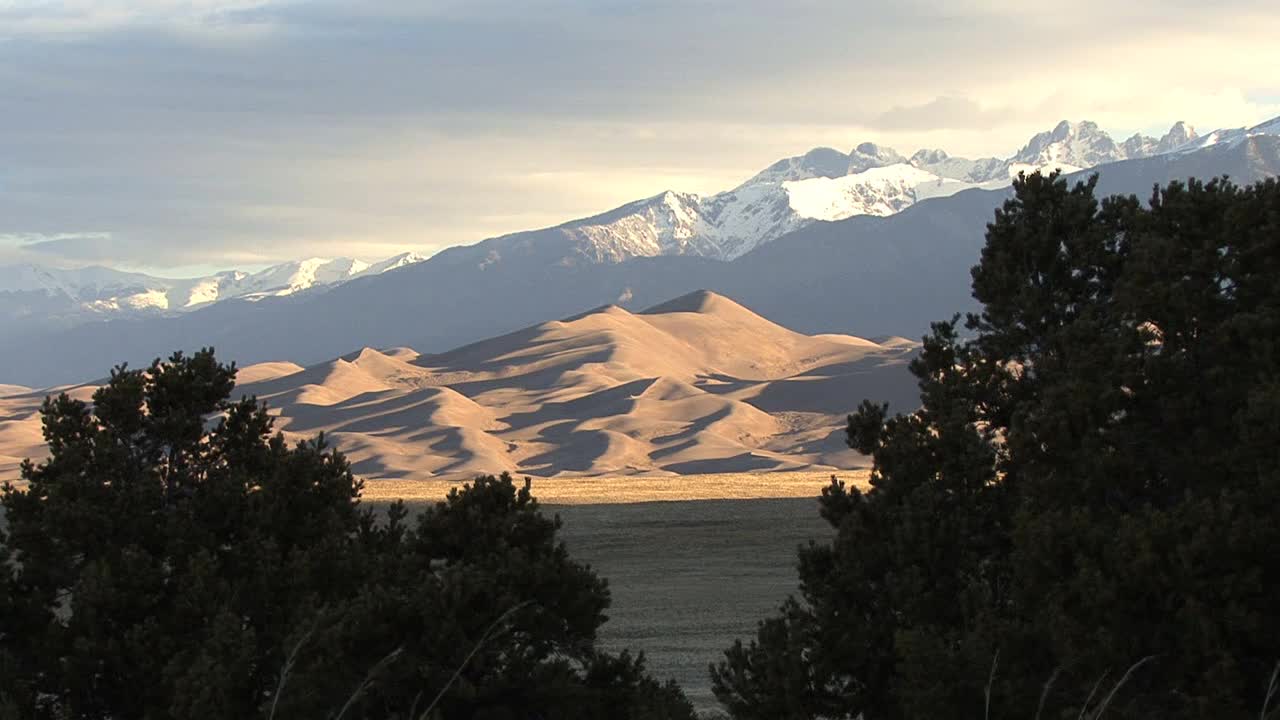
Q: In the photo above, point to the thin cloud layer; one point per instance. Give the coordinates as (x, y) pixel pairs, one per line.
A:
(211, 133)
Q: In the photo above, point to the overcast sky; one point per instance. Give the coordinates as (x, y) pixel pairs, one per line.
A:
(177, 137)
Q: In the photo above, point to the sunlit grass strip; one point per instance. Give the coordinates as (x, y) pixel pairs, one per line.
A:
(635, 489)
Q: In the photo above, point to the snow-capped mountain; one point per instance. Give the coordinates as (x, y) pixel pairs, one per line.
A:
(1078, 146)
(39, 293)
(826, 184)
(1070, 146)
(1140, 146)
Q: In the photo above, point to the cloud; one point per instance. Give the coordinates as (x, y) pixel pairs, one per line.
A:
(78, 247)
(70, 19)
(220, 132)
(942, 113)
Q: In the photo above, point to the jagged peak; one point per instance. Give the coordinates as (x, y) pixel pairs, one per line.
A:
(1179, 134)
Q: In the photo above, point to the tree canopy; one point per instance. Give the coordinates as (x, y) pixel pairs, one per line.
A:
(175, 558)
(1083, 514)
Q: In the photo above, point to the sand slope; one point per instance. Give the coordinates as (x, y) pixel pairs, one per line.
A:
(696, 385)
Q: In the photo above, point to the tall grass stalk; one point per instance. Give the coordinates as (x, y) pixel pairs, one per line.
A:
(991, 678)
(1085, 708)
(1044, 694)
(479, 644)
(1103, 707)
(288, 668)
(1271, 692)
(364, 684)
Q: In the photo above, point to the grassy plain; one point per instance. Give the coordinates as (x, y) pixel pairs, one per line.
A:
(693, 561)
(687, 578)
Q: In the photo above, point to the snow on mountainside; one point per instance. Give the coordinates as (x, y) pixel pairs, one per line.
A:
(1229, 137)
(879, 191)
(33, 292)
(943, 165)
(392, 263)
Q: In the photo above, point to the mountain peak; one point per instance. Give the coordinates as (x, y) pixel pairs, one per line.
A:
(1070, 146)
(869, 155)
(1180, 134)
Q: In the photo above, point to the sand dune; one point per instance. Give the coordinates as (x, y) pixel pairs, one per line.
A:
(21, 434)
(266, 371)
(696, 385)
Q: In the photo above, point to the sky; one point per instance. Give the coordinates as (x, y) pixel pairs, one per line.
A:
(178, 137)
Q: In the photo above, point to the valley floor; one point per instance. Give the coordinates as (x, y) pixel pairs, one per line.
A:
(688, 578)
(693, 562)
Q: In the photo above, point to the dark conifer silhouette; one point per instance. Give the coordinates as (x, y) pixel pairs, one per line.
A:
(1087, 500)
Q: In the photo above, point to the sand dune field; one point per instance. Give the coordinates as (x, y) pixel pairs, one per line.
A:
(696, 386)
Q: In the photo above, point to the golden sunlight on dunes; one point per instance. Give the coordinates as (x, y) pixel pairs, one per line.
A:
(698, 386)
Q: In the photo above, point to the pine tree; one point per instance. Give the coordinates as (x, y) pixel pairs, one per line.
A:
(1087, 495)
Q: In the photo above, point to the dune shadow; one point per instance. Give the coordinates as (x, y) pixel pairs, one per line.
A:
(746, 462)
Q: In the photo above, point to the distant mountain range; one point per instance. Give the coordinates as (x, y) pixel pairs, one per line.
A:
(825, 184)
(44, 296)
(860, 243)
